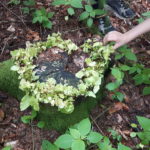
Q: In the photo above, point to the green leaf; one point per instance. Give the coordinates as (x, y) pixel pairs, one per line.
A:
(133, 134)
(26, 119)
(41, 124)
(123, 147)
(78, 145)
(88, 8)
(64, 141)
(119, 96)
(146, 14)
(59, 2)
(70, 11)
(92, 14)
(94, 137)
(7, 148)
(25, 10)
(112, 86)
(84, 127)
(47, 24)
(144, 122)
(84, 16)
(117, 73)
(146, 91)
(76, 3)
(145, 137)
(131, 56)
(25, 102)
(99, 12)
(50, 14)
(75, 133)
(46, 145)
(124, 67)
(29, 3)
(89, 22)
(118, 56)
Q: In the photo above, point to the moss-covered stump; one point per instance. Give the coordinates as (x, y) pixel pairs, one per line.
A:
(59, 80)
(50, 115)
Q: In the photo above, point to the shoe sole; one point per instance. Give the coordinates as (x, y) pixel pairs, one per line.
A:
(108, 8)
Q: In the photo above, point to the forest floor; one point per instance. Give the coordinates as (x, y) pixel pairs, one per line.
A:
(17, 29)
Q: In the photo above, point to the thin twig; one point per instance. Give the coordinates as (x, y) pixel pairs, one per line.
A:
(97, 125)
(13, 14)
(103, 113)
(5, 43)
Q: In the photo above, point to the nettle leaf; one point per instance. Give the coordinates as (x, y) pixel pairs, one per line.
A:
(76, 3)
(64, 141)
(84, 127)
(70, 11)
(94, 137)
(89, 22)
(88, 8)
(46, 145)
(29, 3)
(131, 56)
(117, 73)
(123, 147)
(144, 122)
(124, 67)
(92, 14)
(84, 16)
(75, 133)
(47, 24)
(78, 145)
(112, 86)
(146, 91)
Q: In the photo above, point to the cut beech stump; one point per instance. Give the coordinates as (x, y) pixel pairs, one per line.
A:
(57, 76)
(50, 115)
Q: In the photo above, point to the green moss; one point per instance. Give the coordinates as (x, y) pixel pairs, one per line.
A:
(9, 80)
(59, 121)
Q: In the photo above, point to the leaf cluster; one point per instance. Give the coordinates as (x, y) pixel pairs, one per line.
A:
(81, 137)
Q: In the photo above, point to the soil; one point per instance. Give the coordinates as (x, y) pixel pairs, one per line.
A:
(16, 30)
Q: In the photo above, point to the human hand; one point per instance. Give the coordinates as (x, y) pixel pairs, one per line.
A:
(117, 37)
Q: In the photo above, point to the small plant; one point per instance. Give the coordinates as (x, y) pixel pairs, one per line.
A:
(42, 17)
(14, 2)
(144, 16)
(115, 135)
(28, 6)
(81, 137)
(88, 13)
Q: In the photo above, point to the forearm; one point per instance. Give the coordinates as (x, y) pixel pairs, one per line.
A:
(137, 31)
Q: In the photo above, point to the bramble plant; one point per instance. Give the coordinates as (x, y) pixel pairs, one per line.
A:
(81, 137)
(28, 6)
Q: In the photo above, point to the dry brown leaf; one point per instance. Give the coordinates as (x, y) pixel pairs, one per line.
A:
(118, 106)
(32, 35)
